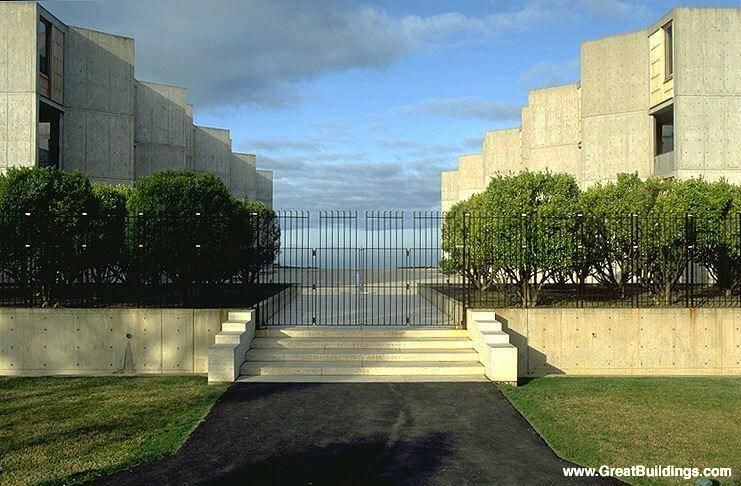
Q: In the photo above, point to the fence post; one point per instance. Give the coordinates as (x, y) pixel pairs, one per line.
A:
(689, 258)
(632, 257)
(464, 267)
(581, 274)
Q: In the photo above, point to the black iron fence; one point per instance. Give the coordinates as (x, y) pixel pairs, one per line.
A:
(80, 260)
(359, 268)
(373, 268)
(584, 261)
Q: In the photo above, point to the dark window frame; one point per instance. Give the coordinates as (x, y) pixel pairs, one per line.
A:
(668, 30)
(47, 49)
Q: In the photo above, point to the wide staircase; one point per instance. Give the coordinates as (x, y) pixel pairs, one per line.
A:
(361, 354)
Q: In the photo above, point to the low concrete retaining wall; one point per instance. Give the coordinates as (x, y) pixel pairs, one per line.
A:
(705, 341)
(106, 341)
(447, 305)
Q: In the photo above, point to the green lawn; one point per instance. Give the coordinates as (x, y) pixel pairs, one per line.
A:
(629, 421)
(75, 429)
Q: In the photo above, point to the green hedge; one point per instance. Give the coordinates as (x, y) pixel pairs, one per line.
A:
(533, 229)
(171, 227)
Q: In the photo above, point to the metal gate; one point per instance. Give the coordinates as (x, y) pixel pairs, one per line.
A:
(344, 268)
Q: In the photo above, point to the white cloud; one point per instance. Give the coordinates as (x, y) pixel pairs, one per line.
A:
(259, 52)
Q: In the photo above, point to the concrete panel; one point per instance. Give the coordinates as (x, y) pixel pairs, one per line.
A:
(708, 51)
(243, 176)
(74, 135)
(177, 332)
(626, 341)
(106, 341)
(99, 71)
(162, 127)
(554, 116)
(213, 152)
(502, 152)
(615, 143)
(449, 192)
(206, 324)
(264, 187)
(615, 74)
(99, 99)
(18, 124)
(18, 47)
(189, 135)
(471, 178)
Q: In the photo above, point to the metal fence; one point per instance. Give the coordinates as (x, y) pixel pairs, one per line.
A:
(358, 268)
(82, 260)
(584, 261)
(373, 268)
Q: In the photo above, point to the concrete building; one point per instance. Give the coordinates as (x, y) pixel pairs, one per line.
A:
(664, 102)
(69, 98)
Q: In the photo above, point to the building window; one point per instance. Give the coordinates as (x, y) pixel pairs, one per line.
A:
(44, 46)
(668, 50)
(48, 136)
(664, 131)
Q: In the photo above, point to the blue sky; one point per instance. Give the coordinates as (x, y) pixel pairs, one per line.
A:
(360, 105)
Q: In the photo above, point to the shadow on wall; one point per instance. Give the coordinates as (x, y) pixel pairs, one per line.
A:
(98, 121)
(163, 137)
(530, 361)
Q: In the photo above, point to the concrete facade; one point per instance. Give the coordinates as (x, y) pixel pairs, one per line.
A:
(69, 98)
(640, 342)
(664, 102)
(106, 341)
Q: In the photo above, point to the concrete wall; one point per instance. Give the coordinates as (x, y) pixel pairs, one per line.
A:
(99, 100)
(106, 341)
(625, 341)
(264, 187)
(707, 90)
(502, 152)
(471, 177)
(614, 102)
(449, 191)
(244, 176)
(18, 84)
(164, 127)
(551, 129)
(213, 152)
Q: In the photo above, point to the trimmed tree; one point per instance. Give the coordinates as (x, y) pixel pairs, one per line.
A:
(520, 230)
(46, 221)
(182, 229)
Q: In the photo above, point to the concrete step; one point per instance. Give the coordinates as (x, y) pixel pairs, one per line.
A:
(360, 331)
(363, 354)
(362, 343)
(489, 325)
(496, 337)
(228, 337)
(234, 326)
(328, 368)
(240, 315)
(360, 379)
